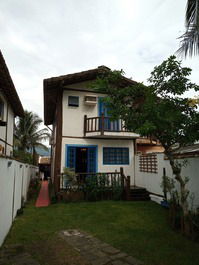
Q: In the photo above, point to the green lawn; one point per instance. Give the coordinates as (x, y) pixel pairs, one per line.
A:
(138, 228)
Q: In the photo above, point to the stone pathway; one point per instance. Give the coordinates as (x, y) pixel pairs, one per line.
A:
(15, 255)
(96, 251)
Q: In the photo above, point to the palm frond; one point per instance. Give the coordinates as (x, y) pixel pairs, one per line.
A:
(189, 44)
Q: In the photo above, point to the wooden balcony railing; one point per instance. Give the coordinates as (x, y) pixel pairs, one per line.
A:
(103, 124)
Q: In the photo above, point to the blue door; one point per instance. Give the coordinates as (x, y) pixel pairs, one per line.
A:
(92, 160)
(74, 159)
(108, 125)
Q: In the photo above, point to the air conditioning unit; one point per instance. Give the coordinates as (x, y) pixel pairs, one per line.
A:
(90, 100)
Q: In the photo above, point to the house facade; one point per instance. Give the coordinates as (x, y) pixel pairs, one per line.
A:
(84, 137)
(10, 107)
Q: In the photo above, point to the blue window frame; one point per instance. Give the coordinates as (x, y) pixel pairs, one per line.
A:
(92, 158)
(115, 156)
(71, 157)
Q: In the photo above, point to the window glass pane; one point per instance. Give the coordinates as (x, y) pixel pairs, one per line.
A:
(73, 101)
(115, 156)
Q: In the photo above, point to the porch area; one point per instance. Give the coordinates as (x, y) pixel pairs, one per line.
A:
(101, 186)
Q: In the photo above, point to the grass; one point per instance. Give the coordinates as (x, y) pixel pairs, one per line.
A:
(138, 228)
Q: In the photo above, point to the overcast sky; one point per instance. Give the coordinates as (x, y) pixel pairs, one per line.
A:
(44, 38)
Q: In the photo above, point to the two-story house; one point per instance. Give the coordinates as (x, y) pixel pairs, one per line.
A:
(84, 137)
(10, 107)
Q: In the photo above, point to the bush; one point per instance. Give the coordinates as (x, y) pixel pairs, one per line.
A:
(23, 156)
(98, 187)
(34, 188)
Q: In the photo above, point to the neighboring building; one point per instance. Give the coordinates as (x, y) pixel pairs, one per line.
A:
(10, 107)
(44, 167)
(84, 138)
(146, 145)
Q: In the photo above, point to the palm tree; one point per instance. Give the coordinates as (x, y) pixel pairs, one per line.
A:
(190, 39)
(28, 136)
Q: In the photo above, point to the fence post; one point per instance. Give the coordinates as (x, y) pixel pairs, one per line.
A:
(85, 123)
(128, 186)
(122, 177)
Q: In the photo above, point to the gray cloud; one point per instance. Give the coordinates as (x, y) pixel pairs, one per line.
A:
(40, 39)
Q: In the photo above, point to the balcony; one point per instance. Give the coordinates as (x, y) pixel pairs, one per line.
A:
(104, 127)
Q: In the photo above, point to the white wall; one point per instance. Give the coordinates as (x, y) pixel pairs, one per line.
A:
(128, 169)
(73, 117)
(14, 182)
(152, 181)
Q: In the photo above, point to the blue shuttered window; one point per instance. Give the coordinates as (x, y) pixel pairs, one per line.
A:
(115, 156)
(91, 167)
(71, 157)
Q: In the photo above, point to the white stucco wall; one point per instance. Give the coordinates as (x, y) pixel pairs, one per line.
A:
(152, 181)
(128, 169)
(9, 117)
(14, 182)
(73, 117)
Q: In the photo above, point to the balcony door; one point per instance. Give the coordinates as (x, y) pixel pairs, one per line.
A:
(108, 124)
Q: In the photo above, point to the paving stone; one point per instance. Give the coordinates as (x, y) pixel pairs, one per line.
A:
(96, 251)
(133, 261)
(101, 261)
(100, 254)
(110, 250)
(120, 255)
(119, 262)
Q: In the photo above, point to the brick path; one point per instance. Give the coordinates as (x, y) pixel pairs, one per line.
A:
(43, 198)
(96, 251)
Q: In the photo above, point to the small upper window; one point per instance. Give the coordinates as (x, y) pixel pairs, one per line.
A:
(73, 101)
(1, 109)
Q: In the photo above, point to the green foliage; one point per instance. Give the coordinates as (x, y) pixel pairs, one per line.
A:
(99, 187)
(23, 156)
(69, 175)
(169, 186)
(157, 110)
(91, 188)
(34, 188)
(28, 136)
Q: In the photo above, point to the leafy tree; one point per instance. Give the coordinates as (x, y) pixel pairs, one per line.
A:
(157, 110)
(190, 39)
(28, 136)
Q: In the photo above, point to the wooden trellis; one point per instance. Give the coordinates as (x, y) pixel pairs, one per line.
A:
(148, 163)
